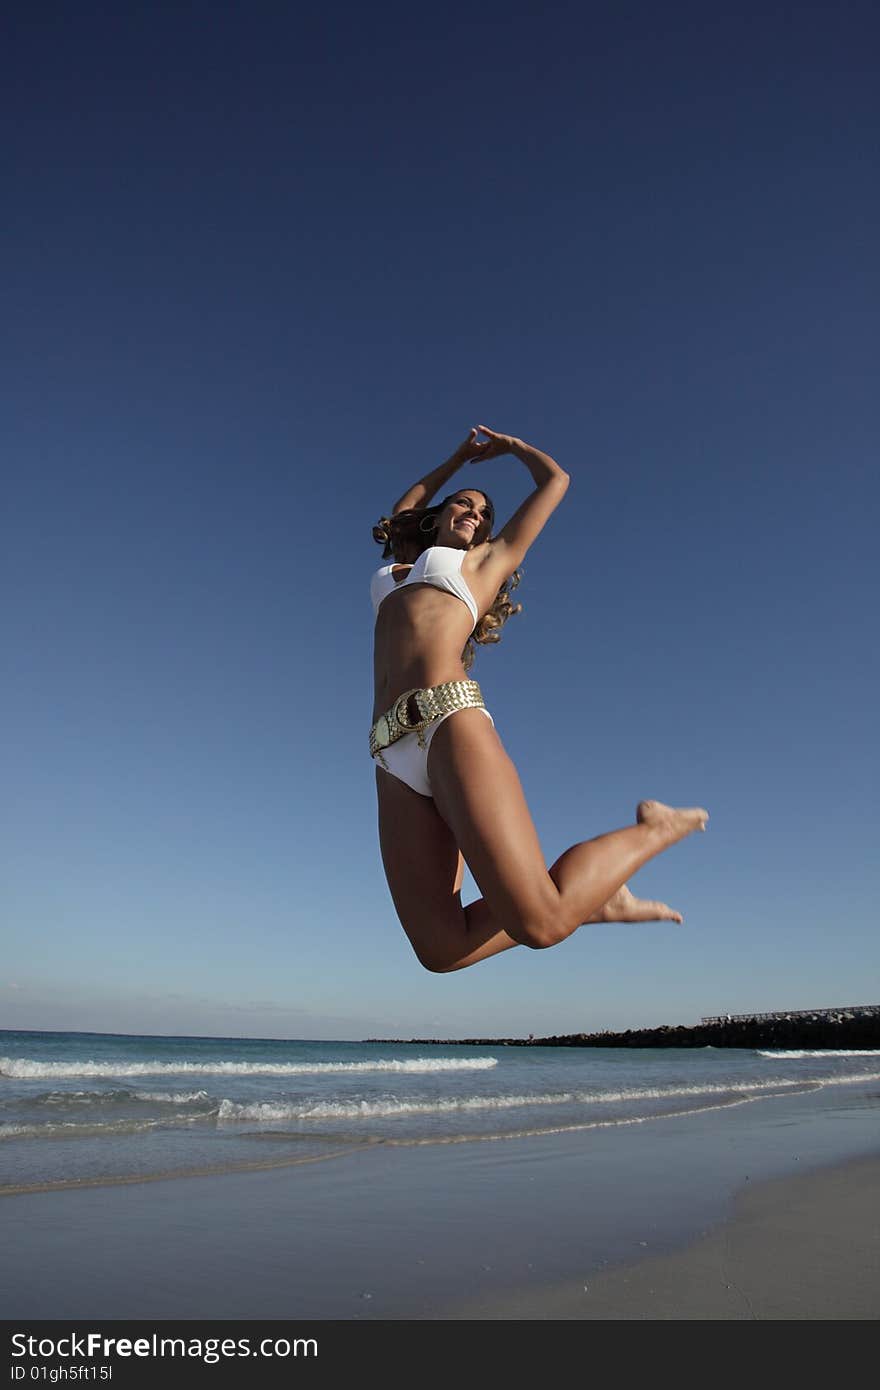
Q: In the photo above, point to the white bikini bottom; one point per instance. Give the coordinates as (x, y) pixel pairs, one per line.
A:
(406, 761)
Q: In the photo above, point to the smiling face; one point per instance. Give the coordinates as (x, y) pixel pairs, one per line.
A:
(465, 521)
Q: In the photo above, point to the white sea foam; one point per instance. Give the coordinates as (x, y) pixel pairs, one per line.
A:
(572, 1128)
(580, 1104)
(375, 1109)
(24, 1069)
(825, 1052)
(170, 1097)
(67, 1099)
(387, 1106)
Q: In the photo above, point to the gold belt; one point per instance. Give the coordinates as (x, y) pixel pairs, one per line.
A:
(431, 704)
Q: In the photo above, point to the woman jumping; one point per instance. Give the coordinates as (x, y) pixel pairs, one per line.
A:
(448, 792)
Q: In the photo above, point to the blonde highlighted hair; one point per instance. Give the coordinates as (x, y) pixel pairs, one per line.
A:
(404, 537)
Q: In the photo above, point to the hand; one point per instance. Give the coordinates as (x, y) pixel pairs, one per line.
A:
(468, 450)
(474, 450)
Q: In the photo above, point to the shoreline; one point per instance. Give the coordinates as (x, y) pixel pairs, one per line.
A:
(798, 1248)
(468, 1231)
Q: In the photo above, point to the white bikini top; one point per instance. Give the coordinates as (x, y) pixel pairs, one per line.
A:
(439, 566)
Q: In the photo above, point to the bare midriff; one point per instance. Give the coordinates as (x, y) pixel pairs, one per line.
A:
(419, 638)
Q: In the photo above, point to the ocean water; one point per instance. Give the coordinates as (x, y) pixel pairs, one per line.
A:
(77, 1108)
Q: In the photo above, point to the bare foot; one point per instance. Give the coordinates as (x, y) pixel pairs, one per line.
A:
(623, 906)
(672, 823)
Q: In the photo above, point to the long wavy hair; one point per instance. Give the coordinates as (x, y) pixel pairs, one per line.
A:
(404, 537)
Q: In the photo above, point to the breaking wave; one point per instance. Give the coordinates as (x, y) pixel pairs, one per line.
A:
(24, 1069)
(825, 1052)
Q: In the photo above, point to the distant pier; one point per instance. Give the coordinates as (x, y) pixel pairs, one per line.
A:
(840, 1014)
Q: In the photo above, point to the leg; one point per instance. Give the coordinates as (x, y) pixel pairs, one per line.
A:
(425, 869)
(477, 793)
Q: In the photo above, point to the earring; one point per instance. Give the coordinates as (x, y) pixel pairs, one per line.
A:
(432, 524)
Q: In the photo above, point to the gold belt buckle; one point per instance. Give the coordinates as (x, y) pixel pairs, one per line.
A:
(400, 714)
(399, 710)
(394, 723)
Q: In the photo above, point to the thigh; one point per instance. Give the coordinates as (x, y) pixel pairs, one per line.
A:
(478, 793)
(423, 865)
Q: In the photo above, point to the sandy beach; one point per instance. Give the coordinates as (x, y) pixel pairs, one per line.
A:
(805, 1247)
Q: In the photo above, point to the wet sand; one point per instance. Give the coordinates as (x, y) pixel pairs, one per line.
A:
(705, 1219)
(797, 1248)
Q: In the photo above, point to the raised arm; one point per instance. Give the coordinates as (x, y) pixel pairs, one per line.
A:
(507, 551)
(420, 494)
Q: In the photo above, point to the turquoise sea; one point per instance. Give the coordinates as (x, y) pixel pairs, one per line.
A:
(81, 1107)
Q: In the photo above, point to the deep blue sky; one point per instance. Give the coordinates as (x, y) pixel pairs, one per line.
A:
(267, 264)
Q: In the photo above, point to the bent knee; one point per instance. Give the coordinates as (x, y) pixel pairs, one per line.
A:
(432, 957)
(433, 964)
(539, 931)
(539, 941)
(436, 967)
